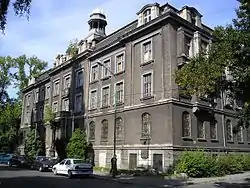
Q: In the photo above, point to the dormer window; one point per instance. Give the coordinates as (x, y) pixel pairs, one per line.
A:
(193, 19)
(147, 15)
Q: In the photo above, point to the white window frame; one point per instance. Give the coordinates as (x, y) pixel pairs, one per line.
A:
(152, 82)
(76, 104)
(124, 60)
(46, 93)
(105, 86)
(28, 98)
(64, 81)
(191, 51)
(121, 81)
(91, 75)
(55, 102)
(77, 73)
(63, 104)
(54, 88)
(148, 16)
(103, 67)
(36, 95)
(90, 98)
(142, 50)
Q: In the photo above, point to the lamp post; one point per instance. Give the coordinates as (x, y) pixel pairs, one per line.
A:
(114, 160)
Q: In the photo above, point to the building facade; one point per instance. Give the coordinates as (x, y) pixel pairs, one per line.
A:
(128, 78)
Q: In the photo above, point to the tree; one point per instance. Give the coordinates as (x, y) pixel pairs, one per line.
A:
(33, 145)
(77, 145)
(205, 73)
(21, 8)
(72, 49)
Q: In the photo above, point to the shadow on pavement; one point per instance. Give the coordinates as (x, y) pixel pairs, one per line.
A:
(233, 185)
(14, 168)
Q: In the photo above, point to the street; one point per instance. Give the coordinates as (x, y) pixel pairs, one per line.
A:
(14, 177)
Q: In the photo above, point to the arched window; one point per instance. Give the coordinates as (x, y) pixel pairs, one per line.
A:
(118, 128)
(240, 134)
(104, 130)
(229, 130)
(213, 130)
(186, 124)
(92, 130)
(146, 125)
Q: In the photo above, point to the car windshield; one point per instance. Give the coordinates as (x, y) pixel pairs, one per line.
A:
(78, 161)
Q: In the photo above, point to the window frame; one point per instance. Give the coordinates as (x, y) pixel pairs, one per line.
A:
(215, 123)
(102, 130)
(63, 104)
(189, 125)
(68, 76)
(102, 89)
(231, 130)
(90, 138)
(104, 69)
(204, 129)
(91, 72)
(147, 17)
(76, 103)
(123, 92)
(55, 82)
(142, 50)
(55, 102)
(123, 62)
(152, 83)
(90, 98)
(77, 74)
(47, 94)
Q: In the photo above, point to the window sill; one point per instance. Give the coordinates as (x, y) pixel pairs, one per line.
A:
(92, 109)
(118, 73)
(146, 98)
(145, 138)
(147, 62)
(187, 138)
(230, 142)
(106, 106)
(105, 78)
(201, 140)
(214, 140)
(240, 142)
(119, 104)
(94, 81)
(104, 140)
(56, 95)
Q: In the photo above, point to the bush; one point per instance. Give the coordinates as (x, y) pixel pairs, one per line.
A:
(202, 164)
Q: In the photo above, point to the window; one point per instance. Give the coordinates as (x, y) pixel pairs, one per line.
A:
(229, 129)
(119, 92)
(188, 46)
(79, 79)
(47, 92)
(41, 112)
(94, 73)
(213, 130)
(36, 96)
(119, 63)
(28, 100)
(92, 130)
(147, 90)
(93, 99)
(55, 106)
(65, 105)
(118, 122)
(78, 103)
(186, 125)
(147, 16)
(27, 116)
(56, 88)
(200, 129)
(66, 82)
(42, 93)
(105, 96)
(240, 134)
(146, 125)
(104, 130)
(193, 19)
(147, 51)
(106, 68)
(35, 114)
(204, 46)
(248, 134)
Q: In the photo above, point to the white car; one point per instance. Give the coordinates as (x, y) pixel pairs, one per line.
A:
(72, 167)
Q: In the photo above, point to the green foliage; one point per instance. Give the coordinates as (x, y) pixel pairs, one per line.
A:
(33, 145)
(202, 164)
(77, 144)
(21, 8)
(49, 115)
(72, 48)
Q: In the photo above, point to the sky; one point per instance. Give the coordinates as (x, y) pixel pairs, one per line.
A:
(53, 23)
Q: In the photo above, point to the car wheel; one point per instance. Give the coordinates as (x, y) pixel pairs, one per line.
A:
(40, 169)
(54, 171)
(69, 174)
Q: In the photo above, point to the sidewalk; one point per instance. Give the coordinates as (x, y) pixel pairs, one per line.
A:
(168, 182)
(141, 180)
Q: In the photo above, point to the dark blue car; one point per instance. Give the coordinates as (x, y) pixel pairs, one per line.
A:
(9, 159)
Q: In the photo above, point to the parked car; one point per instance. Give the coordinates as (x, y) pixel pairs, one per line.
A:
(73, 167)
(10, 159)
(43, 163)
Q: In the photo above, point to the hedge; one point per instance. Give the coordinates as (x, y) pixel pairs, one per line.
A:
(204, 164)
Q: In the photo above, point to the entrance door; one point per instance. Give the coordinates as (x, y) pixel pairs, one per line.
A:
(132, 161)
(157, 162)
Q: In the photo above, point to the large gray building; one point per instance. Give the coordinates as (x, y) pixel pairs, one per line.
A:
(153, 120)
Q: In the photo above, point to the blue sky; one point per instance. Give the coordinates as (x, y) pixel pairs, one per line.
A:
(53, 23)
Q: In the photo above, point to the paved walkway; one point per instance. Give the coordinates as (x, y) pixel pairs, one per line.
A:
(168, 182)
